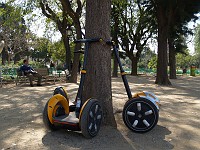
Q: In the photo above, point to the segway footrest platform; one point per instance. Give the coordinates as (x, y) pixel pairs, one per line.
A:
(68, 121)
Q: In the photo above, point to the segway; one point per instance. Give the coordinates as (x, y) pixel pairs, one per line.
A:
(85, 117)
(141, 111)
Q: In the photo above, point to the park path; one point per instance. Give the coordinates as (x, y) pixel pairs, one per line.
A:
(178, 127)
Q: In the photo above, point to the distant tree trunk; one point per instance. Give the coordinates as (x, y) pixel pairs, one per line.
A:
(9, 58)
(172, 59)
(4, 56)
(134, 66)
(115, 39)
(65, 39)
(162, 63)
(115, 67)
(17, 57)
(73, 78)
(115, 63)
(98, 77)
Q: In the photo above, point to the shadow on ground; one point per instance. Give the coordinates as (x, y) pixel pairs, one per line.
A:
(178, 126)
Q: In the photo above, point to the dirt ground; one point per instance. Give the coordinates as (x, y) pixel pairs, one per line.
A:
(178, 128)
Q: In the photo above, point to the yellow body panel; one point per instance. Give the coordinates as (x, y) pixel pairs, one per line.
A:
(58, 98)
(83, 71)
(123, 73)
(139, 94)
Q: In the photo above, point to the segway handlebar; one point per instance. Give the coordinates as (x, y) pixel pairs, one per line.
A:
(88, 40)
(123, 74)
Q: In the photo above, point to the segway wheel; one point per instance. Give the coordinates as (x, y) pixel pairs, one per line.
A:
(46, 121)
(60, 110)
(56, 106)
(140, 115)
(61, 90)
(90, 118)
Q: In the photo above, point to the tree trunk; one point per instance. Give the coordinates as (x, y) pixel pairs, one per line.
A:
(162, 76)
(9, 58)
(73, 78)
(98, 77)
(115, 67)
(172, 59)
(17, 57)
(134, 66)
(65, 39)
(4, 56)
(115, 39)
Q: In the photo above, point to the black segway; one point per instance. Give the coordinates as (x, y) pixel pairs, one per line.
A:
(141, 111)
(85, 117)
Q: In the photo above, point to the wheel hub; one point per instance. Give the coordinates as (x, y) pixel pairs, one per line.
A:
(140, 116)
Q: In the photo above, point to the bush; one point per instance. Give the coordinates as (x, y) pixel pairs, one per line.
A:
(33, 64)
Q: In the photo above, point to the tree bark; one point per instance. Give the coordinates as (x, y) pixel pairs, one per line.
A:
(73, 78)
(115, 39)
(134, 66)
(162, 62)
(115, 67)
(98, 77)
(172, 59)
(65, 39)
(4, 56)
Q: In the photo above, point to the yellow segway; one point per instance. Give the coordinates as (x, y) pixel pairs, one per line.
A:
(85, 117)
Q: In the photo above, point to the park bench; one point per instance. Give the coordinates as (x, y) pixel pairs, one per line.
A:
(21, 78)
(45, 74)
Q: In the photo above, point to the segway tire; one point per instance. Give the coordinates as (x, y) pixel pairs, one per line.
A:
(90, 118)
(46, 121)
(59, 90)
(140, 115)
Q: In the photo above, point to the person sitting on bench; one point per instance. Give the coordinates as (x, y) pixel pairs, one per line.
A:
(30, 73)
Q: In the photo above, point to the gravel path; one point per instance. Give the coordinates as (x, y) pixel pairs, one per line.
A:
(178, 127)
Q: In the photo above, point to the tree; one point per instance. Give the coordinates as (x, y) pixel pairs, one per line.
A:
(146, 56)
(98, 77)
(64, 22)
(178, 29)
(41, 49)
(168, 13)
(152, 63)
(115, 20)
(197, 39)
(13, 31)
(185, 60)
(197, 43)
(134, 26)
(177, 44)
(57, 49)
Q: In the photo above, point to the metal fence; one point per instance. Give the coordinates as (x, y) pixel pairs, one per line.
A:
(11, 72)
